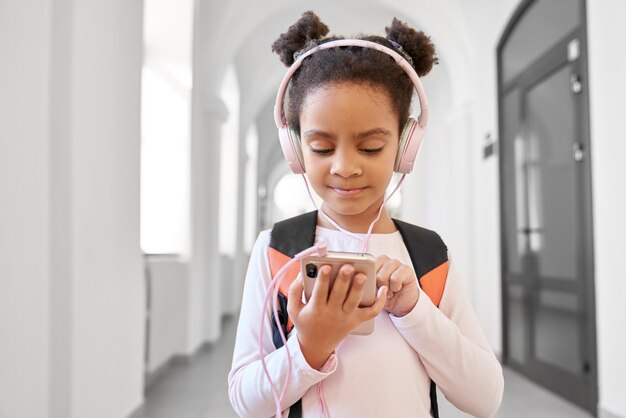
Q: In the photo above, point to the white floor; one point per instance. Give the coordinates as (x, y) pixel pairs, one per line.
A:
(197, 389)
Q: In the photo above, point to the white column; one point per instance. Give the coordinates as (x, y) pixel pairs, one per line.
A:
(208, 115)
(61, 243)
(241, 259)
(72, 296)
(24, 208)
(205, 282)
(109, 285)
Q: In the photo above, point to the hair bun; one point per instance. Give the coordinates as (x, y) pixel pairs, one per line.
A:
(308, 29)
(415, 44)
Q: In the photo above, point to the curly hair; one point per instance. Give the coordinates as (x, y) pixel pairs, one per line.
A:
(352, 64)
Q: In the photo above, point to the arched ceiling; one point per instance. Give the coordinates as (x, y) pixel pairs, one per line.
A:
(240, 33)
(260, 71)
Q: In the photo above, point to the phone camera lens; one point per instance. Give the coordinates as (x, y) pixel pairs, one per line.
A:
(311, 270)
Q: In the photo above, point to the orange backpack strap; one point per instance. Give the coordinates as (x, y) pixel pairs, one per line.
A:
(429, 255)
(288, 238)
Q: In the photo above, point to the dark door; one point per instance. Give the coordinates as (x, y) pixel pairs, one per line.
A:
(548, 299)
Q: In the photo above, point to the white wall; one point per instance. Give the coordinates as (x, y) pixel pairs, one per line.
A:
(486, 22)
(169, 294)
(24, 278)
(607, 66)
(71, 281)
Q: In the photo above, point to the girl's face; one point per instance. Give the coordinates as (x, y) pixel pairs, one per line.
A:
(349, 138)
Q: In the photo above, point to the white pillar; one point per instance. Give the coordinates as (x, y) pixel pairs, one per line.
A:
(109, 285)
(206, 176)
(24, 208)
(205, 282)
(241, 259)
(72, 302)
(208, 115)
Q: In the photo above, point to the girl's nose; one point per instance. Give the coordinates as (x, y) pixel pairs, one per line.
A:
(345, 163)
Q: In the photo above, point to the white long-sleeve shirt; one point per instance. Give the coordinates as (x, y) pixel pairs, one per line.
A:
(384, 374)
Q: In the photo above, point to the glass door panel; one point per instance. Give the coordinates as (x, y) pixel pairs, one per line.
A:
(551, 178)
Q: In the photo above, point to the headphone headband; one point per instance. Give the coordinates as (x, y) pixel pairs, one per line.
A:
(292, 151)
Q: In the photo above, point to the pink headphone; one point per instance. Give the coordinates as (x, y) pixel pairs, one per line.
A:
(411, 136)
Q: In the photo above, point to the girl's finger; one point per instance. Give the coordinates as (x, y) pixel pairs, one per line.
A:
(384, 272)
(372, 311)
(294, 301)
(399, 277)
(380, 260)
(341, 285)
(319, 296)
(356, 292)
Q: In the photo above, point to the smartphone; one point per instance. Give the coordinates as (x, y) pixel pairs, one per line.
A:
(363, 263)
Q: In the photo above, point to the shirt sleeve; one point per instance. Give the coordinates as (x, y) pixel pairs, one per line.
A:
(248, 387)
(454, 350)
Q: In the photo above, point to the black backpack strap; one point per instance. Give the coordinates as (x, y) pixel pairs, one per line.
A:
(295, 410)
(282, 318)
(290, 237)
(294, 235)
(427, 251)
(426, 248)
(434, 407)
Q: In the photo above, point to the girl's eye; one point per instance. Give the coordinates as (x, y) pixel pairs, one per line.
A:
(371, 150)
(321, 151)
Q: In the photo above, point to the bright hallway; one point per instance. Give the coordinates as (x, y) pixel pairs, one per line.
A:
(139, 161)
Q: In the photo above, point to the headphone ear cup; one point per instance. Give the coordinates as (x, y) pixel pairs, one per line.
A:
(410, 141)
(290, 144)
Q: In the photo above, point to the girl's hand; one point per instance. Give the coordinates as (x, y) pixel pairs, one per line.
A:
(402, 283)
(327, 318)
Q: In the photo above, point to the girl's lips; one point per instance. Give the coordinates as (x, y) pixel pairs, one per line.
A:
(348, 192)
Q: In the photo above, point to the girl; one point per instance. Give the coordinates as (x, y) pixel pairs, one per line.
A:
(346, 110)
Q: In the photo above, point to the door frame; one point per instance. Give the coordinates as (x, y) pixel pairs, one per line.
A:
(587, 291)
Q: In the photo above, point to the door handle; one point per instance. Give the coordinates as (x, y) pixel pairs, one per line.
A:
(578, 149)
(575, 84)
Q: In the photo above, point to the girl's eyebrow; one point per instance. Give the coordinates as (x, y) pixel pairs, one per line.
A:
(375, 131)
(316, 132)
(370, 132)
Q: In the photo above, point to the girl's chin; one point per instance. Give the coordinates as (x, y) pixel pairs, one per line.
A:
(339, 209)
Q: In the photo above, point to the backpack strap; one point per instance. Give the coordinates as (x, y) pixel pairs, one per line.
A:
(293, 235)
(429, 255)
(288, 238)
